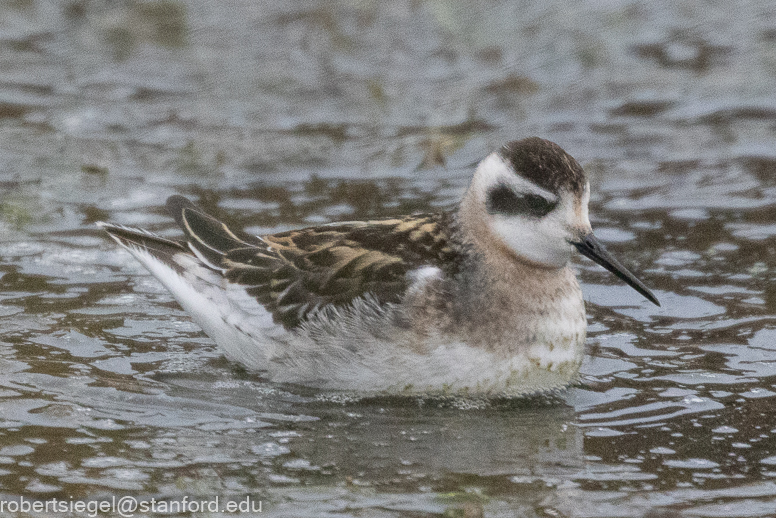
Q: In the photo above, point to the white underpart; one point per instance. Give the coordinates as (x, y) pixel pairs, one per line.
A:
(386, 361)
(336, 351)
(358, 348)
(565, 330)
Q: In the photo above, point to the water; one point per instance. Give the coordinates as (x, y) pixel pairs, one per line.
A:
(276, 116)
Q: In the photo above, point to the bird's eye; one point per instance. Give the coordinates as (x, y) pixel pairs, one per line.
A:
(503, 200)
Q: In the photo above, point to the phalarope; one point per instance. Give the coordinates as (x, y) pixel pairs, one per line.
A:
(477, 301)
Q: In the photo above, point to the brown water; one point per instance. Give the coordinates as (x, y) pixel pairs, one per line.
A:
(277, 116)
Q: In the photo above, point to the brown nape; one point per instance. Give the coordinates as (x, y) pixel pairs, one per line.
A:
(545, 164)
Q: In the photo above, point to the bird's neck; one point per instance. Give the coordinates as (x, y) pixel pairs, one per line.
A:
(511, 296)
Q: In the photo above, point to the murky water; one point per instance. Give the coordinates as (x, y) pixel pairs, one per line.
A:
(277, 115)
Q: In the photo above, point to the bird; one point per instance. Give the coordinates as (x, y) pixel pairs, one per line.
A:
(481, 300)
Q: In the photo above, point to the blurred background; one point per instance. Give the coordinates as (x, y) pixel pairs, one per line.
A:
(274, 115)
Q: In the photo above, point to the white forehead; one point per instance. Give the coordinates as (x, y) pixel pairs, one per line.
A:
(494, 170)
(585, 200)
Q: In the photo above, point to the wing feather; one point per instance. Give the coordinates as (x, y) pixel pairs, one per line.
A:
(296, 272)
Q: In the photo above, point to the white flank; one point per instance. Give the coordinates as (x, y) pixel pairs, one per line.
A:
(236, 322)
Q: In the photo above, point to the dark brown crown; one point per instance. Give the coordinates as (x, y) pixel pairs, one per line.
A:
(545, 164)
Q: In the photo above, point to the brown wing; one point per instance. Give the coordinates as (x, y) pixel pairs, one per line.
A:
(293, 273)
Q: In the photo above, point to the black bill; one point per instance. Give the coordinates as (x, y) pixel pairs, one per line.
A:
(591, 247)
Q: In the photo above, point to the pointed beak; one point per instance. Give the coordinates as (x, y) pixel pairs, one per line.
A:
(591, 247)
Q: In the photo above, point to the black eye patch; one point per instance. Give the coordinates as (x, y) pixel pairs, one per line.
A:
(503, 200)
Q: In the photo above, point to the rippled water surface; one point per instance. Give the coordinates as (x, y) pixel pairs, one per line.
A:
(282, 114)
